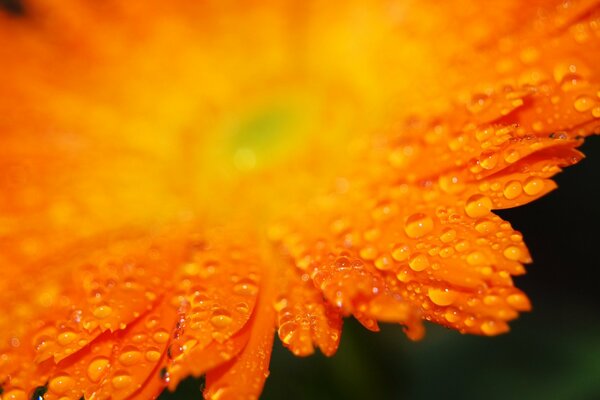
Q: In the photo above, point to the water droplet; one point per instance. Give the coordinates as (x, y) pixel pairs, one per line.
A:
(418, 262)
(448, 235)
(512, 157)
(96, 368)
(245, 287)
(152, 355)
(401, 252)
(161, 336)
(368, 253)
(121, 380)
(221, 319)
(488, 160)
(513, 253)
(418, 225)
(66, 338)
(583, 103)
(476, 258)
(478, 103)
(16, 394)
(383, 263)
(442, 297)
(451, 184)
(287, 331)
(478, 206)
(61, 384)
(519, 301)
(492, 328)
(130, 356)
(533, 186)
(512, 190)
(102, 312)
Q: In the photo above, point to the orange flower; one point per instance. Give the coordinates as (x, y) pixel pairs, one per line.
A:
(182, 178)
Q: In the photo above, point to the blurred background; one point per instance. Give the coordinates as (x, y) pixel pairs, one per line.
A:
(552, 352)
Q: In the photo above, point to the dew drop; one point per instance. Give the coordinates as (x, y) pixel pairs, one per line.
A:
(512, 253)
(452, 315)
(533, 186)
(476, 258)
(583, 103)
(61, 384)
(478, 206)
(478, 103)
(451, 184)
(383, 263)
(121, 380)
(442, 297)
(221, 319)
(160, 336)
(512, 190)
(245, 287)
(96, 368)
(130, 356)
(368, 253)
(102, 312)
(492, 328)
(418, 262)
(488, 160)
(401, 252)
(287, 330)
(519, 301)
(512, 157)
(448, 235)
(152, 355)
(18, 394)
(418, 225)
(66, 338)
